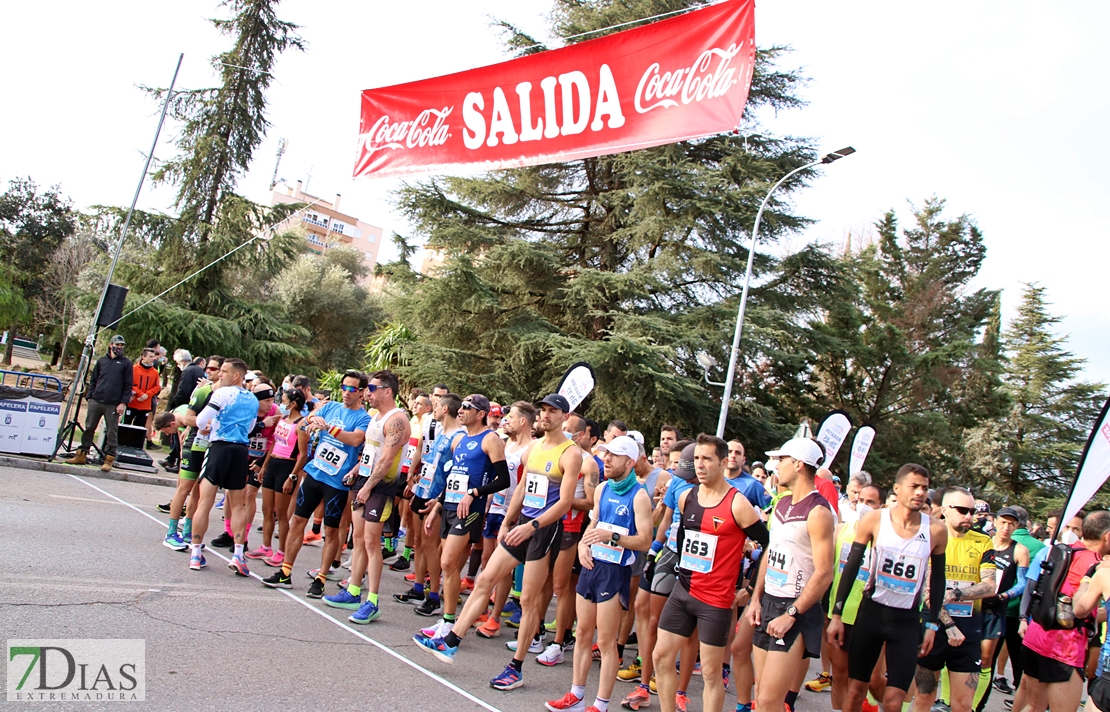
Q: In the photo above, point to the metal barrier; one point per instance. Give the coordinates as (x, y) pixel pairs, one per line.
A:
(29, 380)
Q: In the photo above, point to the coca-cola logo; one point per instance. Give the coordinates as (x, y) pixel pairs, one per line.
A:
(429, 128)
(709, 77)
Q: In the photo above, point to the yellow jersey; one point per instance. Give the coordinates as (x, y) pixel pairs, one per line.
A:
(966, 559)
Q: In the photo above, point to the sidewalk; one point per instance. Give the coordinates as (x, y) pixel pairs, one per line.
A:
(27, 462)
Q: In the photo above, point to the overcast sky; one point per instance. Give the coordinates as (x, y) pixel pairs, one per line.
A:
(999, 107)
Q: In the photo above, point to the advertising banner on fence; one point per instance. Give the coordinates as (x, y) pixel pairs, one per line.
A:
(680, 78)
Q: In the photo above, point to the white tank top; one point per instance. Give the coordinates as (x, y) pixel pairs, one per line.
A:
(499, 502)
(790, 553)
(898, 565)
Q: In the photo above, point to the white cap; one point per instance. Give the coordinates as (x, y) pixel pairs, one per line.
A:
(622, 445)
(802, 449)
(637, 436)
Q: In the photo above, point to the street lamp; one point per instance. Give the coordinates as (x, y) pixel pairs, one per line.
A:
(735, 353)
(707, 362)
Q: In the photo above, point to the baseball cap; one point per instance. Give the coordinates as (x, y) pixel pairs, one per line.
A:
(479, 401)
(637, 436)
(251, 376)
(117, 339)
(622, 445)
(982, 508)
(495, 410)
(685, 468)
(802, 449)
(1010, 512)
(557, 401)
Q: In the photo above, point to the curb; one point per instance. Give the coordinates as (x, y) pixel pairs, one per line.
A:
(24, 463)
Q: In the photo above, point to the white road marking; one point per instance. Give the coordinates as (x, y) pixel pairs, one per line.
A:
(85, 499)
(385, 649)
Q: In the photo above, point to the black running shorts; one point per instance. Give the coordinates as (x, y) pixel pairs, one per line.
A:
(810, 625)
(899, 628)
(537, 546)
(277, 472)
(451, 524)
(312, 493)
(962, 658)
(1045, 669)
(682, 613)
(225, 465)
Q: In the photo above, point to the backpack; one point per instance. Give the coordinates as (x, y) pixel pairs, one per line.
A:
(1050, 601)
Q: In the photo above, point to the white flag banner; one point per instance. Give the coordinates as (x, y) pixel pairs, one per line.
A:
(832, 434)
(577, 383)
(861, 445)
(1094, 466)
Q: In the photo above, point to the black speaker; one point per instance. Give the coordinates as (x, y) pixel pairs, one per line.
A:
(113, 305)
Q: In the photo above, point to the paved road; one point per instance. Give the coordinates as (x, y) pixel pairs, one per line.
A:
(82, 558)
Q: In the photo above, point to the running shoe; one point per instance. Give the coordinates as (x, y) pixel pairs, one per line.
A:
(428, 608)
(638, 700)
(632, 642)
(630, 673)
(220, 502)
(347, 563)
(344, 600)
(260, 553)
(680, 701)
(490, 629)
(550, 627)
(466, 586)
(410, 577)
(401, 564)
(654, 689)
(551, 657)
(276, 560)
(175, 542)
(569, 703)
(437, 629)
(410, 596)
(366, 613)
(726, 675)
(940, 706)
(315, 589)
(510, 608)
(1009, 704)
(239, 566)
(821, 683)
(332, 574)
(595, 652)
(509, 679)
(311, 539)
(224, 540)
(591, 708)
(868, 707)
(568, 646)
(197, 562)
(278, 580)
(1003, 685)
(535, 647)
(437, 647)
(514, 619)
(697, 668)
(163, 508)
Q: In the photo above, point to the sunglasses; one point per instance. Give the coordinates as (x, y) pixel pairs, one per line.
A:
(349, 389)
(468, 406)
(962, 510)
(212, 368)
(371, 387)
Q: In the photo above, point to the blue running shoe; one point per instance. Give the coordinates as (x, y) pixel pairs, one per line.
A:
(344, 600)
(175, 542)
(366, 613)
(437, 647)
(220, 503)
(514, 619)
(511, 608)
(197, 562)
(239, 566)
(509, 679)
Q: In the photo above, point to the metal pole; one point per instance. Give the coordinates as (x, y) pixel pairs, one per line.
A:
(90, 340)
(734, 355)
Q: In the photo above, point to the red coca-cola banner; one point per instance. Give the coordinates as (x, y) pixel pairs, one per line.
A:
(672, 80)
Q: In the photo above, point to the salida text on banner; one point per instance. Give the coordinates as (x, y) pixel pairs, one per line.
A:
(682, 78)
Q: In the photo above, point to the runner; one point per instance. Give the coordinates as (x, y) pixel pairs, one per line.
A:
(902, 540)
(551, 462)
(429, 486)
(517, 425)
(281, 469)
(231, 413)
(620, 525)
(970, 574)
(715, 523)
(1087, 598)
(259, 441)
(1012, 650)
(341, 429)
(375, 484)
(668, 437)
(421, 406)
(785, 610)
(742, 481)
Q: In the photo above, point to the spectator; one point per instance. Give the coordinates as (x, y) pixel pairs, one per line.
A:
(109, 390)
(145, 387)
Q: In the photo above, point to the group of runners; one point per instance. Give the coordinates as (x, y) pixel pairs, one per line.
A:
(707, 566)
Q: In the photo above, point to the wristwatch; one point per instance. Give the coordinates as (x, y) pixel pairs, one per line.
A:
(932, 626)
(614, 538)
(535, 523)
(792, 611)
(293, 478)
(473, 492)
(958, 593)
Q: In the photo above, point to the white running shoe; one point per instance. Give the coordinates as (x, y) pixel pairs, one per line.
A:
(438, 629)
(552, 656)
(535, 647)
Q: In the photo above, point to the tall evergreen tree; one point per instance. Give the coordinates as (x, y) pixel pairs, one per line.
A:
(1052, 412)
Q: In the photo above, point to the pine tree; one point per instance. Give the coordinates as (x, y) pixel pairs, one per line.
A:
(1052, 412)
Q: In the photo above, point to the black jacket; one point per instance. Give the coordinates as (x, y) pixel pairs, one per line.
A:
(110, 382)
(189, 377)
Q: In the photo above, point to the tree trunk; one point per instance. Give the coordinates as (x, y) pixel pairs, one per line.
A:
(9, 346)
(65, 339)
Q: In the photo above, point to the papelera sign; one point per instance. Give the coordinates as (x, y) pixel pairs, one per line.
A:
(676, 79)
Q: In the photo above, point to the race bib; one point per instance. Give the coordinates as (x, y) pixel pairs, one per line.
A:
(256, 447)
(330, 458)
(899, 573)
(406, 460)
(698, 550)
(960, 609)
(864, 567)
(535, 490)
(672, 537)
(426, 475)
(366, 460)
(200, 442)
(603, 551)
(778, 562)
(499, 499)
(456, 488)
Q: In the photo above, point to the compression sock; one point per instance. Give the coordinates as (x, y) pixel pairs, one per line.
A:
(173, 528)
(227, 527)
(518, 579)
(408, 553)
(945, 689)
(186, 528)
(982, 689)
(578, 691)
(316, 525)
(356, 591)
(791, 699)
(475, 564)
(620, 651)
(418, 588)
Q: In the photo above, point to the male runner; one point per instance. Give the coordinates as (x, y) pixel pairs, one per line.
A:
(428, 487)
(341, 427)
(620, 525)
(715, 522)
(785, 611)
(742, 481)
(421, 406)
(550, 477)
(1092, 591)
(902, 541)
(374, 488)
(668, 437)
(970, 574)
(231, 413)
